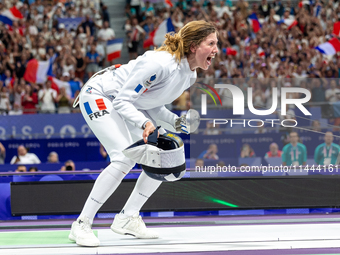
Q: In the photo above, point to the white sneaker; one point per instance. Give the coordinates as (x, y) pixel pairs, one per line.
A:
(82, 234)
(134, 226)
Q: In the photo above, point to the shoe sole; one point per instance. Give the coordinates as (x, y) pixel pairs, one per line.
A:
(81, 243)
(122, 231)
(71, 238)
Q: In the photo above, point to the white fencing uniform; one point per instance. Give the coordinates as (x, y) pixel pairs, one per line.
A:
(116, 105)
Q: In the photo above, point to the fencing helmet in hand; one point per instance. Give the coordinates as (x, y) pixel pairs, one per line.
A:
(161, 158)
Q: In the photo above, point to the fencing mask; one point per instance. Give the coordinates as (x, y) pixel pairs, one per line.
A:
(161, 158)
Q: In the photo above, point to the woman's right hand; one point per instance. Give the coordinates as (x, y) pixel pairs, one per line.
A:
(149, 128)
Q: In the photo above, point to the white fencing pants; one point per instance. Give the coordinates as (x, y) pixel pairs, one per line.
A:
(114, 133)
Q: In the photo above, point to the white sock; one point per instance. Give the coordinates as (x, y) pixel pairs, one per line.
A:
(106, 183)
(145, 187)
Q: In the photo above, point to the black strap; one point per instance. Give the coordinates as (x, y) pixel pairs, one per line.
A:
(170, 170)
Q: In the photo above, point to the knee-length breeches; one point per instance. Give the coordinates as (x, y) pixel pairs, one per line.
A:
(109, 127)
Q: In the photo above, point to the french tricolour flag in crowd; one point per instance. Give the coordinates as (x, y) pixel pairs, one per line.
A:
(336, 29)
(247, 41)
(10, 15)
(157, 36)
(260, 52)
(168, 3)
(288, 22)
(304, 2)
(230, 51)
(253, 20)
(113, 48)
(70, 86)
(37, 71)
(329, 48)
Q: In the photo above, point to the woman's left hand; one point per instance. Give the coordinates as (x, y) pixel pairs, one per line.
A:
(149, 128)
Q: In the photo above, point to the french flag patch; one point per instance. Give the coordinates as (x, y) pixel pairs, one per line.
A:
(138, 88)
(100, 105)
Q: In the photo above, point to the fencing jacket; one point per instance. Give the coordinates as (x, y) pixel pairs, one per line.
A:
(147, 83)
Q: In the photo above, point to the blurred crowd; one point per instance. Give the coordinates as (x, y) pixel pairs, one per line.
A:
(275, 51)
(76, 53)
(293, 153)
(247, 57)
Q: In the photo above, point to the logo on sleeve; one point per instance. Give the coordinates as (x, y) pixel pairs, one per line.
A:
(89, 90)
(148, 82)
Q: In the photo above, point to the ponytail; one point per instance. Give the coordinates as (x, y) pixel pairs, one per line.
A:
(193, 33)
(174, 45)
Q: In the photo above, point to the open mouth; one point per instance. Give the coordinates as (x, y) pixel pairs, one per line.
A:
(209, 60)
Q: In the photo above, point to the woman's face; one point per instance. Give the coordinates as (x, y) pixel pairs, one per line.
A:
(206, 51)
(28, 89)
(246, 149)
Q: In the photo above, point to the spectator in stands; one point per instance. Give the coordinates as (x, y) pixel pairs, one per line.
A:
(64, 101)
(327, 152)
(68, 62)
(20, 66)
(273, 151)
(98, 21)
(318, 91)
(18, 91)
(21, 169)
(92, 59)
(83, 35)
(333, 93)
(4, 101)
(181, 103)
(211, 130)
(25, 157)
(7, 78)
(136, 8)
(88, 25)
(260, 128)
(223, 8)
(47, 97)
(148, 27)
(247, 151)
(264, 9)
(316, 125)
(16, 110)
(221, 163)
(75, 83)
(33, 169)
(2, 154)
(290, 115)
(106, 33)
(81, 63)
(210, 153)
(69, 166)
(199, 164)
(53, 157)
(105, 13)
(177, 18)
(29, 101)
(135, 37)
(147, 10)
(294, 153)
